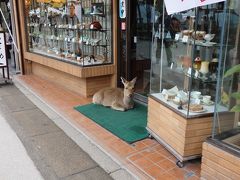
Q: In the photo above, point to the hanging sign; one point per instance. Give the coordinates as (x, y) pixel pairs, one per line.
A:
(122, 9)
(175, 6)
(3, 58)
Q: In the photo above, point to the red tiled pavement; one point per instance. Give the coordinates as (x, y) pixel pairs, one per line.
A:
(146, 158)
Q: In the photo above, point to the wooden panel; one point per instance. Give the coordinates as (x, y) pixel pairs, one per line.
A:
(185, 136)
(221, 163)
(97, 71)
(83, 86)
(209, 174)
(96, 83)
(73, 83)
(161, 122)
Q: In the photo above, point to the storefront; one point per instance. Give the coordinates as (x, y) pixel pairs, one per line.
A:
(221, 152)
(179, 60)
(71, 43)
(189, 51)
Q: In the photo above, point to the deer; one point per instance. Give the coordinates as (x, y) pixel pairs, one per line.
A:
(117, 98)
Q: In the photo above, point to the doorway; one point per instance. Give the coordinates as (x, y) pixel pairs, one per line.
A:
(136, 40)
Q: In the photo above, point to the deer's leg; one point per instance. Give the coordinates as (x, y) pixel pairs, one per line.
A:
(117, 107)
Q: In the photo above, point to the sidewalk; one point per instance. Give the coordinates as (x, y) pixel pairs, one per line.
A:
(39, 146)
(15, 162)
(145, 159)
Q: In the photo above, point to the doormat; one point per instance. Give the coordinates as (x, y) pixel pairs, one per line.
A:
(129, 126)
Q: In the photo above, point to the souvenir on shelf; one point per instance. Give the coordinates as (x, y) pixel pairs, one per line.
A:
(76, 31)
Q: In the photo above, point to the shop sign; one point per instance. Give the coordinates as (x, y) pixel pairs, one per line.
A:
(3, 59)
(175, 6)
(123, 26)
(122, 9)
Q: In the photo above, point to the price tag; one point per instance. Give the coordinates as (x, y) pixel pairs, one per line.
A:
(196, 74)
(185, 39)
(177, 36)
(189, 71)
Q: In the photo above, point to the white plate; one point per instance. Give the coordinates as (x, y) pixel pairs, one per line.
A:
(210, 103)
(200, 111)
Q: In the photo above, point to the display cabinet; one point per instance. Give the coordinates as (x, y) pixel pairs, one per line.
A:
(187, 48)
(73, 31)
(185, 57)
(221, 151)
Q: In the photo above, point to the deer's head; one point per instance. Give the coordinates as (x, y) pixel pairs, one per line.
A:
(128, 87)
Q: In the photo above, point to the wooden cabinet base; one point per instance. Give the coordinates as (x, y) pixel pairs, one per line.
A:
(219, 164)
(85, 86)
(183, 137)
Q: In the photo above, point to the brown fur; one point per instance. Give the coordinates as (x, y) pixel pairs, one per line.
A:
(116, 98)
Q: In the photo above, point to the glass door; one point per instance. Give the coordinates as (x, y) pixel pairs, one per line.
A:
(140, 35)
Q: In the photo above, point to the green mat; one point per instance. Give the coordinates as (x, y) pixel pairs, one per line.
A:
(130, 125)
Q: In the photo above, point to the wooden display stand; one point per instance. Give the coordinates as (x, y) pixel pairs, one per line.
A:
(219, 164)
(182, 136)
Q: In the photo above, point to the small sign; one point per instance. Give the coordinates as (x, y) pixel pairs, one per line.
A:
(3, 58)
(177, 36)
(135, 39)
(122, 9)
(185, 39)
(189, 72)
(123, 26)
(183, 5)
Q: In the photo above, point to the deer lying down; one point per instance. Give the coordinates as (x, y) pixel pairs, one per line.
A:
(116, 98)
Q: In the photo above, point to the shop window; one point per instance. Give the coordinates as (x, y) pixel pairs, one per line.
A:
(78, 32)
(226, 131)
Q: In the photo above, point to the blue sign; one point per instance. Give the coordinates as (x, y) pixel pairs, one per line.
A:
(122, 9)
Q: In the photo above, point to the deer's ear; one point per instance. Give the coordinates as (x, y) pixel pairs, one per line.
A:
(123, 80)
(134, 81)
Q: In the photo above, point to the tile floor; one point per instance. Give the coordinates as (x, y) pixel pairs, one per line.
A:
(147, 158)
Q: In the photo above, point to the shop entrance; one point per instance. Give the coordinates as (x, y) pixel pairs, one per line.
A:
(135, 58)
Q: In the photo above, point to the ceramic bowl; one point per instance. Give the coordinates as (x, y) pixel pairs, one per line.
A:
(209, 37)
(195, 94)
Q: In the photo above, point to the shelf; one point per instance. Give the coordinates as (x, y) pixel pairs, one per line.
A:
(199, 43)
(209, 109)
(90, 15)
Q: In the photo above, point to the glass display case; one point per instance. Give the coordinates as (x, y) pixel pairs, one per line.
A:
(74, 31)
(226, 129)
(186, 50)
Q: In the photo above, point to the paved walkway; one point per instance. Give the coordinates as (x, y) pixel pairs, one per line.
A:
(146, 159)
(54, 154)
(15, 162)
